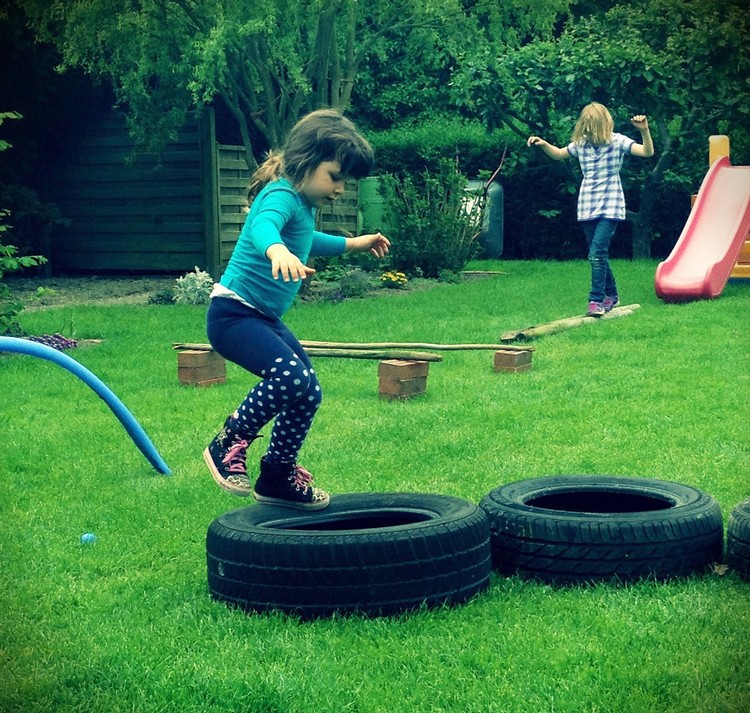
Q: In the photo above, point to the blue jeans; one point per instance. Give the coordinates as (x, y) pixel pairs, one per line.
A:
(598, 234)
(289, 390)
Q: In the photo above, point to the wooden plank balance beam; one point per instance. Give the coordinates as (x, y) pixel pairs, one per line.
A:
(402, 371)
(377, 350)
(560, 325)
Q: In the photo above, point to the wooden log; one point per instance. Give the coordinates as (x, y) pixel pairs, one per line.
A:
(347, 353)
(373, 354)
(196, 347)
(356, 346)
(560, 325)
(409, 345)
(483, 273)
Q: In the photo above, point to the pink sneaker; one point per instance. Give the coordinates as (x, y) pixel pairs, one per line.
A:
(596, 309)
(610, 302)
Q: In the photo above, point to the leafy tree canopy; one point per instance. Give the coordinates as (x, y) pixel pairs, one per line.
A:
(685, 64)
(408, 73)
(269, 61)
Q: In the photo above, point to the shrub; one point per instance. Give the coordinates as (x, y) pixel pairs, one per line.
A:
(337, 282)
(193, 288)
(34, 221)
(434, 225)
(162, 297)
(414, 148)
(355, 283)
(10, 261)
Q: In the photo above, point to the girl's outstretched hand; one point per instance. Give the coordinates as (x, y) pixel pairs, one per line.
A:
(380, 245)
(640, 122)
(376, 243)
(286, 264)
(534, 141)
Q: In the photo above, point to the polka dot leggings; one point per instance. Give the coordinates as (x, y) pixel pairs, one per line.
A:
(289, 390)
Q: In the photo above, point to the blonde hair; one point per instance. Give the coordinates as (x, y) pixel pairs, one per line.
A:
(322, 135)
(594, 125)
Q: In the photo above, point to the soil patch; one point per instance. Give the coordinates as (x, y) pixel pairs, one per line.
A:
(88, 289)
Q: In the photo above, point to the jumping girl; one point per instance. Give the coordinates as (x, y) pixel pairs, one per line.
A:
(261, 280)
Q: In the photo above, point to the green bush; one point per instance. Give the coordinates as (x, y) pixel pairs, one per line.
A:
(414, 148)
(10, 261)
(433, 225)
(540, 201)
(355, 283)
(338, 281)
(540, 195)
(35, 222)
(162, 297)
(194, 288)
(10, 307)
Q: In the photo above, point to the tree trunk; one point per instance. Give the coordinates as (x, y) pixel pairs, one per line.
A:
(642, 230)
(641, 247)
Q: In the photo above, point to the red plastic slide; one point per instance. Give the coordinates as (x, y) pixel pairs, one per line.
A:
(710, 243)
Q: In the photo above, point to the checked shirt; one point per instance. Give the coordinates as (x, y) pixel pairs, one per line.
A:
(600, 195)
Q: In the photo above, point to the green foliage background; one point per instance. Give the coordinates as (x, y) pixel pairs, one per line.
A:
(423, 79)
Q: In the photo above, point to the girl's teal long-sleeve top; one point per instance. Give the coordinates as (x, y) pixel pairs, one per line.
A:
(279, 214)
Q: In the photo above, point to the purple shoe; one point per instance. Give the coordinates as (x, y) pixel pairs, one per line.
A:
(610, 302)
(596, 309)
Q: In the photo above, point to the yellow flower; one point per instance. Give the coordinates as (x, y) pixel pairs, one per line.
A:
(393, 278)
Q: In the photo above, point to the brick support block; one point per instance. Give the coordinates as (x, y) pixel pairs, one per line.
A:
(402, 369)
(402, 378)
(200, 368)
(402, 388)
(506, 360)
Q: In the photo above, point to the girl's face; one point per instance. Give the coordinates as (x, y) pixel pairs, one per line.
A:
(323, 185)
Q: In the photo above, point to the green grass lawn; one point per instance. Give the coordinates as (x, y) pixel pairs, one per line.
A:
(126, 624)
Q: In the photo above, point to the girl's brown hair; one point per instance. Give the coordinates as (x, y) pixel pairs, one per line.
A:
(322, 135)
(594, 125)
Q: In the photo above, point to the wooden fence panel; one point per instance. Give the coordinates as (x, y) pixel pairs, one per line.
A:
(234, 177)
(129, 211)
(170, 212)
(341, 218)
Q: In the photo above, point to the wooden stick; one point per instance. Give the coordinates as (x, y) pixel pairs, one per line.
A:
(407, 345)
(483, 273)
(373, 354)
(360, 346)
(560, 325)
(196, 347)
(332, 352)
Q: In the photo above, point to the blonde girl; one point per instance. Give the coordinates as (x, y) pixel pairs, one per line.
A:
(601, 201)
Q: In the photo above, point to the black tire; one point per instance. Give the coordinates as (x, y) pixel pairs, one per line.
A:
(376, 554)
(571, 529)
(738, 540)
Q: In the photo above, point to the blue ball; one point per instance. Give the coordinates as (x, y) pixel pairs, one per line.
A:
(87, 538)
